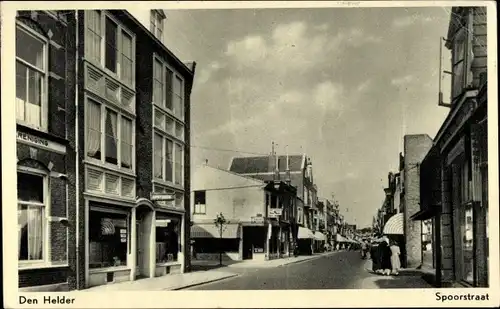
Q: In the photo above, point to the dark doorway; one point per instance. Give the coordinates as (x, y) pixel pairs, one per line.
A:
(253, 241)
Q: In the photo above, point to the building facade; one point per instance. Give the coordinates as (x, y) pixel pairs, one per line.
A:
(461, 212)
(46, 186)
(133, 195)
(300, 171)
(259, 215)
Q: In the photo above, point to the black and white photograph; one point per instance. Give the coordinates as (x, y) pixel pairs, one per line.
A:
(245, 147)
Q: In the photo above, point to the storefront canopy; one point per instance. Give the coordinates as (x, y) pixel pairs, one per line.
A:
(305, 233)
(319, 236)
(212, 231)
(340, 238)
(394, 225)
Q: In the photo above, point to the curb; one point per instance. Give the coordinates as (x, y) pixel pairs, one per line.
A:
(201, 283)
(307, 260)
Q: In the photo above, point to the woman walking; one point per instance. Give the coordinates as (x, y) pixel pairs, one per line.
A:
(385, 257)
(395, 261)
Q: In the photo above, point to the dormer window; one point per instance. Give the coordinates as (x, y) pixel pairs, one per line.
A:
(157, 20)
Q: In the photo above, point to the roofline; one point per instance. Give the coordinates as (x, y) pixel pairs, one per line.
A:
(158, 42)
(232, 173)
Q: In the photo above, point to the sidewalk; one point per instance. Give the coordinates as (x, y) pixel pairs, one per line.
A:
(169, 282)
(407, 279)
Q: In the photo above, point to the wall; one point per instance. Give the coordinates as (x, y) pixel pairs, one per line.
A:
(415, 148)
(61, 84)
(246, 200)
(479, 44)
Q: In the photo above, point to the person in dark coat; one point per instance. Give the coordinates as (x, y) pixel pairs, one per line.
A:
(385, 257)
(374, 255)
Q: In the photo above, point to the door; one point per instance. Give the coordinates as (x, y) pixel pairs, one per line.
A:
(140, 250)
(247, 244)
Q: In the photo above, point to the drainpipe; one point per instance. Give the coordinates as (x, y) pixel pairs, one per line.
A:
(77, 152)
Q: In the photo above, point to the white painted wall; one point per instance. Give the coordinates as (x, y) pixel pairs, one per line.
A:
(224, 194)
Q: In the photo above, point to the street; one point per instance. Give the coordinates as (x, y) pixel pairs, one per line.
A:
(339, 270)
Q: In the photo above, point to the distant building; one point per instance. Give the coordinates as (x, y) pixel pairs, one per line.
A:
(260, 216)
(300, 173)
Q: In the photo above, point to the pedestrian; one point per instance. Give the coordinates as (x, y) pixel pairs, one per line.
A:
(374, 254)
(363, 250)
(385, 257)
(395, 260)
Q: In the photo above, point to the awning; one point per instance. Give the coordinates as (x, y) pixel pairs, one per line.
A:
(211, 231)
(394, 226)
(340, 238)
(319, 236)
(424, 214)
(305, 233)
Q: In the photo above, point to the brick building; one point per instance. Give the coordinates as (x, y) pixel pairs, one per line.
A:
(260, 216)
(45, 97)
(133, 132)
(301, 176)
(457, 168)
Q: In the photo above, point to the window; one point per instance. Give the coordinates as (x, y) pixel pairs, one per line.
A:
(465, 252)
(108, 238)
(107, 145)
(168, 238)
(178, 164)
(31, 203)
(200, 206)
(168, 160)
(110, 45)
(31, 77)
(156, 26)
(168, 89)
(93, 35)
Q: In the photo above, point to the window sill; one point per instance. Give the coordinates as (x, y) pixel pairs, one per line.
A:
(170, 113)
(174, 263)
(110, 167)
(40, 265)
(108, 269)
(168, 184)
(111, 74)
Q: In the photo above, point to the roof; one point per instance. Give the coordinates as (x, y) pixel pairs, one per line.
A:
(256, 165)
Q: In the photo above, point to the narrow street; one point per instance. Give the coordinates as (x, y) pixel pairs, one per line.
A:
(339, 270)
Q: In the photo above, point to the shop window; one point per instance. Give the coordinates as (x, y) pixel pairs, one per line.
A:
(108, 238)
(31, 78)
(31, 204)
(466, 224)
(168, 238)
(200, 206)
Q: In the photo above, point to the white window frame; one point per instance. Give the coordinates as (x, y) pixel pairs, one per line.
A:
(156, 17)
(102, 161)
(46, 258)
(45, 73)
(199, 207)
(169, 135)
(175, 144)
(102, 61)
(162, 105)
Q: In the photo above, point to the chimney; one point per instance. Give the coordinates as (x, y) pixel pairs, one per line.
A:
(272, 162)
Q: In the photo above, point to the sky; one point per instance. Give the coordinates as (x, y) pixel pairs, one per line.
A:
(342, 85)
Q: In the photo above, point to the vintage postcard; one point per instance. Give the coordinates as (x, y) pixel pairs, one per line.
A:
(249, 154)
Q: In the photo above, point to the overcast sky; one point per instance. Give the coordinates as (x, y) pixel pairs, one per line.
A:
(342, 85)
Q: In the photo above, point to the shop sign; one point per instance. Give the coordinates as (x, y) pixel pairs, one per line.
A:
(39, 142)
(162, 197)
(257, 220)
(258, 250)
(274, 212)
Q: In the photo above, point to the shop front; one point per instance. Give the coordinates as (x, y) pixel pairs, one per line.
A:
(131, 241)
(43, 209)
(464, 226)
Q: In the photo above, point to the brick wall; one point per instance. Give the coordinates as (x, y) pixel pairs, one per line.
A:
(415, 150)
(61, 82)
